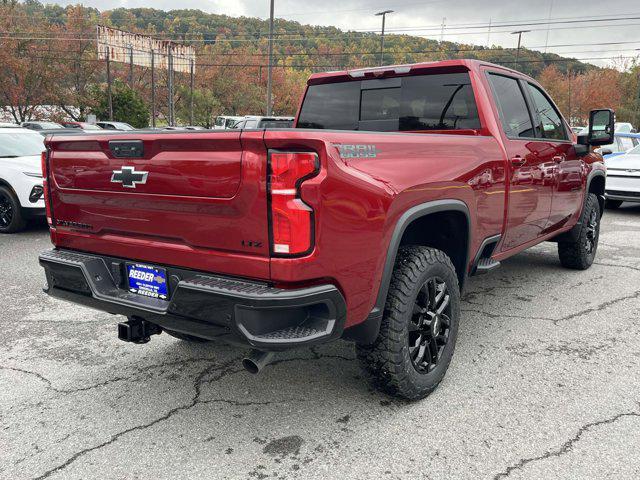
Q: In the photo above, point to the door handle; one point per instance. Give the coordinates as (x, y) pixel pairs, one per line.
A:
(558, 158)
(518, 161)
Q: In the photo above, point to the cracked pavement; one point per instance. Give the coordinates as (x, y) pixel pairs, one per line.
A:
(544, 384)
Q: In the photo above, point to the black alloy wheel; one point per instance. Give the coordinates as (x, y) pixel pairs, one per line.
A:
(592, 232)
(6, 210)
(430, 325)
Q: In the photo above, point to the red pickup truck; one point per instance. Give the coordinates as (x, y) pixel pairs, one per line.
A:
(362, 222)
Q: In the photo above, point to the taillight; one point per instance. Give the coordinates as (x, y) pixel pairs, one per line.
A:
(45, 187)
(291, 218)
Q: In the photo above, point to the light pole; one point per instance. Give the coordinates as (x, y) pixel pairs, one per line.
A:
(519, 33)
(384, 16)
(270, 70)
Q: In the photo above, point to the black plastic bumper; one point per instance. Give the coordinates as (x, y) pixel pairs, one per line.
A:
(201, 304)
(32, 213)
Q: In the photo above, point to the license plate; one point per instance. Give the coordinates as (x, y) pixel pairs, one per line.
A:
(147, 280)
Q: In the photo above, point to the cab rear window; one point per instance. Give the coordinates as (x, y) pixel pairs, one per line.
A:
(415, 103)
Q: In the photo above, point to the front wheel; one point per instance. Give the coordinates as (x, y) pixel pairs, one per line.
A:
(419, 328)
(11, 220)
(579, 254)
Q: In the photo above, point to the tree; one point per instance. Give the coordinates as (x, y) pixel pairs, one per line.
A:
(205, 107)
(79, 70)
(29, 71)
(128, 105)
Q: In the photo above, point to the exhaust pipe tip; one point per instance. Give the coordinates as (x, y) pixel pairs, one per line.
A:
(256, 361)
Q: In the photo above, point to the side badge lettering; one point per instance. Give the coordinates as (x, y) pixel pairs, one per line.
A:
(357, 151)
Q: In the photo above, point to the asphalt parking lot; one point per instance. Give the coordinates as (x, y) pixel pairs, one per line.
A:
(545, 383)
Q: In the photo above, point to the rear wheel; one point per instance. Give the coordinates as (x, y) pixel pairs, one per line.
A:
(419, 328)
(185, 337)
(613, 204)
(579, 254)
(11, 220)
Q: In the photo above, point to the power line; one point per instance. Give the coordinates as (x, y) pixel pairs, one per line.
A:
(426, 28)
(342, 67)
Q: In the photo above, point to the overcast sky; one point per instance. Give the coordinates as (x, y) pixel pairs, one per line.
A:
(426, 18)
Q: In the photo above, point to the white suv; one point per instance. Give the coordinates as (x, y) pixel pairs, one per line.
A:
(21, 192)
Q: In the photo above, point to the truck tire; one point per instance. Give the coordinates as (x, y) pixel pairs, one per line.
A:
(613, 204)
(419, 327)
(185, 337)
(11, 220)
(579, 254)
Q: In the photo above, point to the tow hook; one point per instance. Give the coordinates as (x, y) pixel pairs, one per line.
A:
(257, 360)
(137, 330)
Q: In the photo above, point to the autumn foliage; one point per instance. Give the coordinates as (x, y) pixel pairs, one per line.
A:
(50, 59)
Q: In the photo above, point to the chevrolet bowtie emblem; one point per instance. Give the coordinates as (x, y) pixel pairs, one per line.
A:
(128, 177)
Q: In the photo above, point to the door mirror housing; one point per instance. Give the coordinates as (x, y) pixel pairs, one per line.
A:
(601, 127)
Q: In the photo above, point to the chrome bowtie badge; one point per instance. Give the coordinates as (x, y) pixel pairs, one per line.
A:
(129, 177)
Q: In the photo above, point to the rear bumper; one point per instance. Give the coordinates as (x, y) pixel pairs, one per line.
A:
(202, 304)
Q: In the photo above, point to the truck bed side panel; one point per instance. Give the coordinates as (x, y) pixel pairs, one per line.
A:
(359, 200)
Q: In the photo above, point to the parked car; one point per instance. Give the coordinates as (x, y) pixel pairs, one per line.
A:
(252, 121)
(623, 178)
(63, 131)
(624, 127)
(81, 125)
(41, 125)
(224, 122)
(334, 229)
(115, 126)
(622, 143)
(21, 190)
(9, 125)
(183, 128)
(578, 130)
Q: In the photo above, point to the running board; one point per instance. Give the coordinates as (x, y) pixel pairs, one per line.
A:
(485, 265)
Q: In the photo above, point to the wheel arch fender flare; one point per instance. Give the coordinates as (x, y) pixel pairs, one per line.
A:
(367, 331)
(593, 174)
(409, 216)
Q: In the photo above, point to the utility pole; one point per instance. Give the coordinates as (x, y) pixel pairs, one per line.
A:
(444, 21)
(153, 89)
(191, 106)
(519, 33)
(270, 72)
(546, 41)
(170, 86)
(131, 66)
(489, 34)
(109, 85)
(384, 17)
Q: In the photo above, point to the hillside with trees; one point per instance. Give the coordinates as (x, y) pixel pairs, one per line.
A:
(51, 59)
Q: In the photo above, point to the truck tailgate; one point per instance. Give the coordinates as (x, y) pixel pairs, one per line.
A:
(196, 200)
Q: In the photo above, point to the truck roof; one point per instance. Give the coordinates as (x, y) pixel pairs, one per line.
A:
(397, 70)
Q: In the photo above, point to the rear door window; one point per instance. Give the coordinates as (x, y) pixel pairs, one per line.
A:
(414, 103)
(514, 113)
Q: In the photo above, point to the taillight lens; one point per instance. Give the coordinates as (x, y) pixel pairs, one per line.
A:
(291, 218)
(45, 187)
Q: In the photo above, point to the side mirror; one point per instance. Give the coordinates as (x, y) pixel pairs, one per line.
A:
(601, 127)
